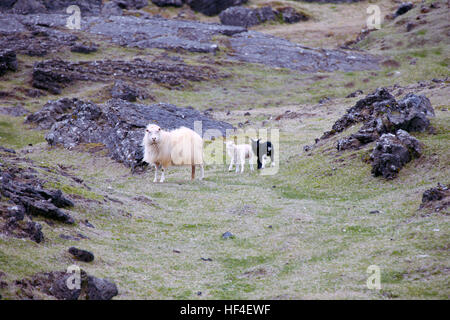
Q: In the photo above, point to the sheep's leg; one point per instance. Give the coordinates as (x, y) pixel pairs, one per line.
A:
(242, 162)
(272, 160)
(237, 166)
(231, 164)
(193, 172)
(156, 174)
(263, 161)
(162, 175)
(251, 162)
(203, 172)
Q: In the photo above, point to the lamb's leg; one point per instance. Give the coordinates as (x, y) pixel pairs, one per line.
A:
(203, 172)
(231, 164)
(263, 161)
(237, 166)
(156, 174)
(193, 172)
(242, 162)
(271, 159)
(162, 175)
(251, 162)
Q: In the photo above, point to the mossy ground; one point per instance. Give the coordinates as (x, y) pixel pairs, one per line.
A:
(304, 233)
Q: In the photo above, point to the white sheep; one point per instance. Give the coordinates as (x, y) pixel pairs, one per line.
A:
(238, 154)
(178, 147)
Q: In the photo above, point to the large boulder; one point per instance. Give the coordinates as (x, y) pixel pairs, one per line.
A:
(437, 198)
(239, 16)
(403, 8)
(91, 288)
(119, 125)
(87, 7)
(169, 3)
(100, 289)
(213, 7)
(131, 4)
(392, 152)
(8, 61)
(28, 6)
(290, 15)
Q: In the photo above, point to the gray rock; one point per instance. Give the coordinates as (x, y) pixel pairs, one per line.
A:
(168, 3)
(227, 235)
(239, 16)
(100, 289)
(131, 4)
(8, 61)
(61, 291)
(290, 15)
(85, 48)
(392, 152)
(435, 194)
(124, 91)
(53, 111)
(130, 31)
(28, 6)
(82, 255)
(403, 8)
(111, 9)
(213, 7)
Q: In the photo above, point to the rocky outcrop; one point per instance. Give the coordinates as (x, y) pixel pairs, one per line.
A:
(8, 61)
(247, 17)
(437, 198)
(55, 284)
(124, 91)
(192, 36)
(290, 15)
(240, 16)
(392, 152)
(89, 7)
(131, 4)
(119, 125)
(27, 198)
(169, 3)
(54, 75)
(53, 111)
(85, 48)
(380, 113)
(213, 7)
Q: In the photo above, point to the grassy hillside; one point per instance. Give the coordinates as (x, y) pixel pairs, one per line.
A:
(303, 233)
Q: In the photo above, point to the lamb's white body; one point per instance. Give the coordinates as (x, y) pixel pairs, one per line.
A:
(179, 147)
(238, 154)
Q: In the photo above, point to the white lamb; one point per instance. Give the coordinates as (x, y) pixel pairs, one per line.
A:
(178, 147)
(238, 154)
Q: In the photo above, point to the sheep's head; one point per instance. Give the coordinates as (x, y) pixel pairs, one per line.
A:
(229, 144)
(153, 134)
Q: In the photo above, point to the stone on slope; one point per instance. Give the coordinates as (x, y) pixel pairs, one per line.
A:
(213, 7)
(8, 61)
(81, 254)
(392, 152)
(169, 3)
